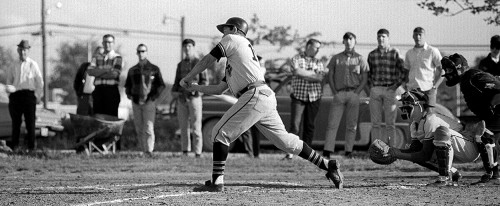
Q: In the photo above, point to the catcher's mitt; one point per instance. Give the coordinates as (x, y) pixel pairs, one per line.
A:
(379, 153)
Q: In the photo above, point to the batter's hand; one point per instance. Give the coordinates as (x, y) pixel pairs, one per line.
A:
(185, 83)
(192, 87)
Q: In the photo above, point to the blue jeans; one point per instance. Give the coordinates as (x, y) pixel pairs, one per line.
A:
(383, 109)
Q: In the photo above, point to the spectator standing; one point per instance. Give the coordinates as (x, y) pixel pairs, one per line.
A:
(424, 64)
(307, 89)
(106, 69)
(348, 74)
(143, 86)
(491, 63)
(386, 75)
(25, 88)
(84, 86)
(189, 104)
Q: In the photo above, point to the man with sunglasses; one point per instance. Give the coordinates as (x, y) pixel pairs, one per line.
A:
(106, 69)
(438, 140)
(491, 63)
(143, 86)
(481, 91)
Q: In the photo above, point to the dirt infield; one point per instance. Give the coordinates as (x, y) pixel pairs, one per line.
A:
(169, 179)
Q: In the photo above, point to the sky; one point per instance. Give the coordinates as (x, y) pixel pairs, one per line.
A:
(331, 18)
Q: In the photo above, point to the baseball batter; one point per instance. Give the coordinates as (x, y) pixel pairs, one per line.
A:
(256, 105)
(436, 142)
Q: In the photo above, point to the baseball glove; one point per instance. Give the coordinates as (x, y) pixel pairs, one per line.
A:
(379, 153)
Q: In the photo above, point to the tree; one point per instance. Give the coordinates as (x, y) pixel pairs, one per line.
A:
(282, 36)
(490, 7)
(71, 56)
(7, 62)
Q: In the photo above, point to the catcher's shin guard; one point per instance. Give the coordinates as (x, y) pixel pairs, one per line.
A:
(444, 156)
(487, 152)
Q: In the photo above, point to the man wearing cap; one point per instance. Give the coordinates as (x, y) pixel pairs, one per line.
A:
(106, 69)
(348, 74)
(25, 88)
(491, 63)
(189, 103)
(424, 66)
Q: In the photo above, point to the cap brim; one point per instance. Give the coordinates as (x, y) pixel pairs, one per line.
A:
(220, 27)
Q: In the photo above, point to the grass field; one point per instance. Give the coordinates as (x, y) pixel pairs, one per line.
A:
(168, 179)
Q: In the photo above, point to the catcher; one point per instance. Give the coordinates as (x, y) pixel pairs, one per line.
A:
(481, 92)
(436, 142)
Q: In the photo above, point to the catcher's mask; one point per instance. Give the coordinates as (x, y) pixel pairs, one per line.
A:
(411, 99)
(454, 65)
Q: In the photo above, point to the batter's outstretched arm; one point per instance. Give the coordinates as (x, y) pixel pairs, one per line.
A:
(198, 68)
(209, 89)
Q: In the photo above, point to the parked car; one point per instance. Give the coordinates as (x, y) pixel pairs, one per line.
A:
(48, 122)
(215, 106)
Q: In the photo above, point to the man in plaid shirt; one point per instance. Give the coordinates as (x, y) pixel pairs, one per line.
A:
(106, 69)
(385, 76)
(308, 74)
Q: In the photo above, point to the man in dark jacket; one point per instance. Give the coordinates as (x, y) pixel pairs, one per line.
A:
(143, 86)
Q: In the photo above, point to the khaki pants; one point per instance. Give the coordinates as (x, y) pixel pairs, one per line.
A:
(144, 120)
(189, 115)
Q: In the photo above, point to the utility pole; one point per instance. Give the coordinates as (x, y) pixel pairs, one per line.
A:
(44, 58)
(182, 36)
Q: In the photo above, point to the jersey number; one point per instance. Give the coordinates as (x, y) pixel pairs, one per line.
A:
(253, 52)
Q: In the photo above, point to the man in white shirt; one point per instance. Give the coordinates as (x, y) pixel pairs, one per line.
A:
(424, 64)
(25, 88)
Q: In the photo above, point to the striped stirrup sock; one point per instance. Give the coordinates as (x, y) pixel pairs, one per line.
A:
(218, 172)
(312, 156)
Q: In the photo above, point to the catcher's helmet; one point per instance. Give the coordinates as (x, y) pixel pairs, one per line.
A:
(452, 65)
(410, 99)
(237, 22)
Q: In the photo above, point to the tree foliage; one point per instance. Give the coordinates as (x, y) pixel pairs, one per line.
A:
(71, 56)
(282, 36)
(443, 7)
(7, 62)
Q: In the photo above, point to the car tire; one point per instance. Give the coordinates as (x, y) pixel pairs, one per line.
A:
(207, 134)
(401, 140)
(206, 130)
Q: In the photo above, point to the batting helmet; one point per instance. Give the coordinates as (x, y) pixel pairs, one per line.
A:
(237, 22)
(452, 65)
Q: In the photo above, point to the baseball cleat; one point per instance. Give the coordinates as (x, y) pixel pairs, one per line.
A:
(455, 177)
(334, 174)
(209, 187)
(487, 179)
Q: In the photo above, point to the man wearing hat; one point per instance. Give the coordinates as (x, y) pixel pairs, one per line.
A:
(25, 88)
(189, 104)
